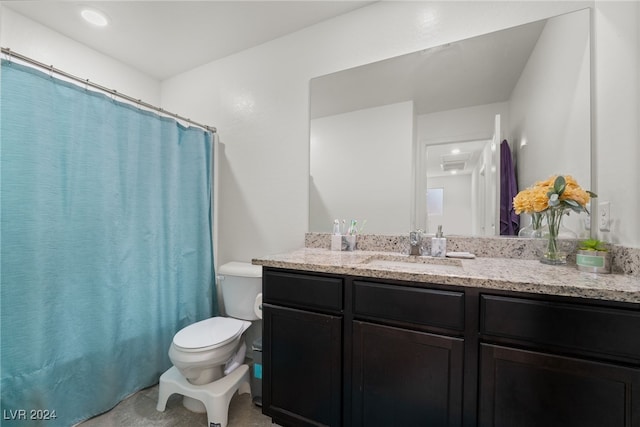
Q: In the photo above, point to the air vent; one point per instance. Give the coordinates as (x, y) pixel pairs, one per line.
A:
(454, 162)
(451, 166)
(460, 157)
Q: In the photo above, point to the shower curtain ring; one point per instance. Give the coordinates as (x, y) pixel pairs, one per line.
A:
(51, 71)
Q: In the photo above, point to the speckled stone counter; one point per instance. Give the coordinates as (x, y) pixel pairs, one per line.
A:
(509, 274)
(624, 260)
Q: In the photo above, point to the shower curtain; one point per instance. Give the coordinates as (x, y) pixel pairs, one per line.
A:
(106, 246)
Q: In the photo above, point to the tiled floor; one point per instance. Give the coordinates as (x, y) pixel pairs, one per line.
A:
(139, 410)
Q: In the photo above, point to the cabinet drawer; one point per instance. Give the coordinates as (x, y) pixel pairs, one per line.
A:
(574, 327)
(302, 290)
(430, 307)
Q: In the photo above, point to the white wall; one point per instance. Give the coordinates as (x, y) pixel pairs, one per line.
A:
(27, 37)
(258, 99)
(554, 84)
(462, 124)
(347, 150)
(617, 108)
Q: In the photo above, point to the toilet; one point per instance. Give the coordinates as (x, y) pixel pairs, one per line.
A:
(208, 355)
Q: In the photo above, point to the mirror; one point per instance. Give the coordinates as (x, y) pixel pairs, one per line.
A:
(382, 134)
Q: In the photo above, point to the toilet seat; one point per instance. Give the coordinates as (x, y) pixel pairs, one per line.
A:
(208, 334)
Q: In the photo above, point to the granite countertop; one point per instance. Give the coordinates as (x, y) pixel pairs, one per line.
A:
(521, 275)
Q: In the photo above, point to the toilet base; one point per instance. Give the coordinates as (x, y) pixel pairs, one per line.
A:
(214, 396)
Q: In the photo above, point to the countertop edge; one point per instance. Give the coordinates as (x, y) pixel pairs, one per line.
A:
(487, 273)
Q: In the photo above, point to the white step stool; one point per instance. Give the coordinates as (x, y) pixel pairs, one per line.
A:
(215, 396)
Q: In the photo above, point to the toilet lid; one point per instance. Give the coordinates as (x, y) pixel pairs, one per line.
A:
(212, 332)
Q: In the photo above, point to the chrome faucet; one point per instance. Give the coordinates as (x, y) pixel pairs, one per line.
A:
(415, 242)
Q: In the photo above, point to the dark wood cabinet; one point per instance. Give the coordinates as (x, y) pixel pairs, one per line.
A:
(407, 363)
(551, 363)
(405, 378)
(591, 330)
(409, 305)
(302, 349)
(352, 351)
(531, 389)
(302, 367)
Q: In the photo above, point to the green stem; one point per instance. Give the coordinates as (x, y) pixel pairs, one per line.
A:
(536, 220)
(554, 218)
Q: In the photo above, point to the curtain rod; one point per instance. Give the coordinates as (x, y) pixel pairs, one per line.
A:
(113, 92)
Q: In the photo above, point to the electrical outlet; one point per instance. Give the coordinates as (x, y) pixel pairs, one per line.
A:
(604, 216)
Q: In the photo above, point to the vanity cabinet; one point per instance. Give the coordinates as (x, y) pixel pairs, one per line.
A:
(353, 351)
(530, 389)
(302, 349)
(406, 370)
(405, 378)
(549, 363)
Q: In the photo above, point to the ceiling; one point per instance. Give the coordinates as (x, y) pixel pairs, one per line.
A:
(165, 38)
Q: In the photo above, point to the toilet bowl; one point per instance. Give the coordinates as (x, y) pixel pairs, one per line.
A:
(200, 350)
(207, 356)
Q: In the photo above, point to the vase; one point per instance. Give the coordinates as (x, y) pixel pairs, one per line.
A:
(559, 240)
(537, 232)
(534, 229)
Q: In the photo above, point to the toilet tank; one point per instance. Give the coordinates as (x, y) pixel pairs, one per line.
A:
(241, 283)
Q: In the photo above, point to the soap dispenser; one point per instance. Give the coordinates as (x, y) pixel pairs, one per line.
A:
(439, 244)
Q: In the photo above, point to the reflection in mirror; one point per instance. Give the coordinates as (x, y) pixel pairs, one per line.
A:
(465, 172)
(378, 131)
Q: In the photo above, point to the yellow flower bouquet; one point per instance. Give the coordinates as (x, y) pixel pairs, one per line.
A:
(553, 198)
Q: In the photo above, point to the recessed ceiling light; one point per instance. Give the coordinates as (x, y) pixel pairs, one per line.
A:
(455, 151)
(94, 17)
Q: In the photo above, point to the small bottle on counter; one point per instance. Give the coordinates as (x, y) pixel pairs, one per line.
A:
(439, 244)
(336, 237)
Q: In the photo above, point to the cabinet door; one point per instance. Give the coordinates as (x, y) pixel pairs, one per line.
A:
(528, 389)
(405, 378)
(302, 367)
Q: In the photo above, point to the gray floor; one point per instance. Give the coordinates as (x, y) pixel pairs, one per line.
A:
(139, 410)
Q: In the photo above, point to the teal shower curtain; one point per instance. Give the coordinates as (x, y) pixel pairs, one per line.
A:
(106, 246)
